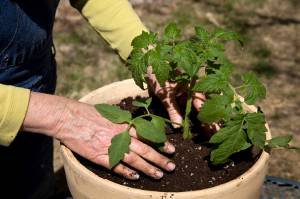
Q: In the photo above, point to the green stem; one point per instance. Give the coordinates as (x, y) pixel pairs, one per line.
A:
(234, 91)
(186, 123)
(148, 112)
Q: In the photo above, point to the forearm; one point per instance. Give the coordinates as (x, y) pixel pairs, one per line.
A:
(44, 113)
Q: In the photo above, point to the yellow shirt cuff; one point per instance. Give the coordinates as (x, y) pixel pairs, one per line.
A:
(13, 104)
(114, 20)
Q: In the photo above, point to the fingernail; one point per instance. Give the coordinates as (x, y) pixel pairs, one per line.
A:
(170, 148)
(158, 174)
(134, 176)
(171, 166)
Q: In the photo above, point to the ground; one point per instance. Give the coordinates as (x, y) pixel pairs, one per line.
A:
(272, 32)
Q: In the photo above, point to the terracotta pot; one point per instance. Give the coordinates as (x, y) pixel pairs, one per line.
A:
(84, 184)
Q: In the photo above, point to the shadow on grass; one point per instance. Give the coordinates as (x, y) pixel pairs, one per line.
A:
(264, 68)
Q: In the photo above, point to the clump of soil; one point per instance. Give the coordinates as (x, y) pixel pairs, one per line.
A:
(193, 170)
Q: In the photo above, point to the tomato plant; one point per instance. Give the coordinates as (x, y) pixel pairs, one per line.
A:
(179, 60)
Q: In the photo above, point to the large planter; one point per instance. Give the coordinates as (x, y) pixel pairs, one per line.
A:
(84, 184)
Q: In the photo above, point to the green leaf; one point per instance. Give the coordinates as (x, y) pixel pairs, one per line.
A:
(171, 33)
(227, 35)
(159, 123)
(230, 128)
(113, 113)
(160, 67)
(119, 146)
(186, 58)
(144, 40)
(234, 144)
(214, 54)
(142, 103)
(256, 129)
(138, 66)
(216, 82)
(202, 34)
(231, 139)
(280, 141)
(138, 103)
(148, 101)
(149, 131)
(252, 88)
(215, 109)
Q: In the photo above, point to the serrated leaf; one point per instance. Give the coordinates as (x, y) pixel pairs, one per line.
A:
(113, 113)
(216, 82)
(215, 109)
(252, 88)
(186, 58)
(171, 33)
(280, 141)
(160, 67)
(202, 34)
(119, 146)
(144, 40)
(138, 66)
(149, 131)
(142, 103)
(230, 139)
(233, 144)
(256, 130)
(227, 35)
(230, 128)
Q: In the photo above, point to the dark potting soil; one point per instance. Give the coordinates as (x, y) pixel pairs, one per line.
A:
(193, 170)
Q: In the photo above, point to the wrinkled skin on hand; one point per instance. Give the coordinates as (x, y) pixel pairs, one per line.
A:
(83, 130)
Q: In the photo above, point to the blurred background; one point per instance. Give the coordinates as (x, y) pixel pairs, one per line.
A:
(272, 50)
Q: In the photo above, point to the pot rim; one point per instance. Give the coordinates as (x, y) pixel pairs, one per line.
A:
(85, 172)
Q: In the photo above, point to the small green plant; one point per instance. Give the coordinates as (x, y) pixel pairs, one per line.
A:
(240, 129)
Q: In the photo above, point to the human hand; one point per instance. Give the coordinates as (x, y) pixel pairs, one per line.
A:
(82, 129)
(169, 94)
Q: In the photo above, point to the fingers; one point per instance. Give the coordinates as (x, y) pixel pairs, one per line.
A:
(198, 100)
(119, 169)
(151, 155)
(139, 163)
(168, 147)
(167, 95)
(173, 109)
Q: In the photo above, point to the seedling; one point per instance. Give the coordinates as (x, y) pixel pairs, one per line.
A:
(176, 60)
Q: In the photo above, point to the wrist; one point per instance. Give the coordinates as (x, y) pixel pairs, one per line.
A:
(44, 113)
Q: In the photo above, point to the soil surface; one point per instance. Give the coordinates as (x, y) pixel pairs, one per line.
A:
(193, 170)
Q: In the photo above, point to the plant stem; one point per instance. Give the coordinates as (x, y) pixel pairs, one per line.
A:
(186, 123)
(148, 112)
